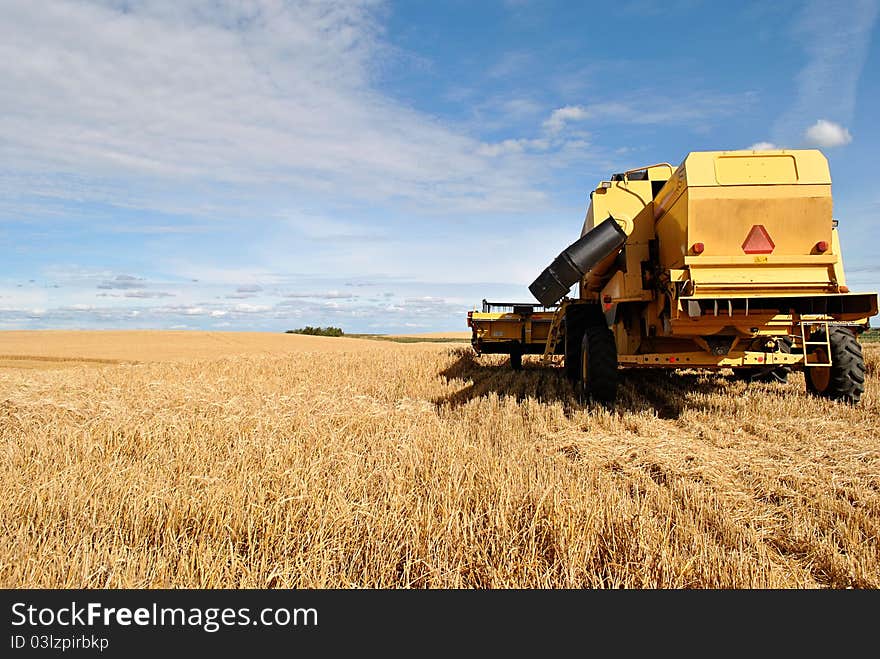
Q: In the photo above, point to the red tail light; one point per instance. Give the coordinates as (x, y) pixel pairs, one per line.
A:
(822, 246)
(698, 248)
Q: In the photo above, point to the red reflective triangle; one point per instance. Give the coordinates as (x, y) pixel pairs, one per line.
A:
(758, 241)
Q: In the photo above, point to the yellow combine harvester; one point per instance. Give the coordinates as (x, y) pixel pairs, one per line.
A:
(731, 260)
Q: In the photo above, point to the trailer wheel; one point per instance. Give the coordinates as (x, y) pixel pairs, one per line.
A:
(767, 373)
(516, 361)
(598, 372)
(844, 380)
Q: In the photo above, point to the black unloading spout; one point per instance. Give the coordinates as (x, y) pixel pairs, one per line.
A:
(600, 245)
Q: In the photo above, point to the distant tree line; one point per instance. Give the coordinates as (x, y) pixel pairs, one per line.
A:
(317, 331)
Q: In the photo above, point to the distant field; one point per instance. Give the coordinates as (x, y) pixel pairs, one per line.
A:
(187, 459)
(871, 336)
(437, 335)
(429, 337)
(59, 348)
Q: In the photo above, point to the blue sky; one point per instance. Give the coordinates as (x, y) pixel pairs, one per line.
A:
(382, 166)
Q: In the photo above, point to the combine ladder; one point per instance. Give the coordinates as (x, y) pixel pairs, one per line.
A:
(822, 322)
(553, 333)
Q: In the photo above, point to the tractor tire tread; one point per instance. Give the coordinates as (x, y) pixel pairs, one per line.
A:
(847, 378)
(602, 363)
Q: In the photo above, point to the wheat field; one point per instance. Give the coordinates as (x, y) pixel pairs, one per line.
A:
(200, 460)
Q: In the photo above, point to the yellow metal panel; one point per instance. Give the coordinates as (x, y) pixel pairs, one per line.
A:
(738, 169)
(752, 259)
(660, 172)
(615, 287)
(622, 200)
(500, 326)
(838, 266)
(742, 325)
(642, 226)
(796, 217)
(679, 359)
(670, 192)
(756, 167)
(671, 231)
(540, 331)
(768, 274)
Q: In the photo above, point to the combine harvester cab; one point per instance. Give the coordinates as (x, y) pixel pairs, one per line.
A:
(731, 260)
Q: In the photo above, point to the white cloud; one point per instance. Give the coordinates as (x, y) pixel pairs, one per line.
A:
(561, 116)
(762, 146)
(828, 134)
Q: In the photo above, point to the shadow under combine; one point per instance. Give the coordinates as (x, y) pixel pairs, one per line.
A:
(666, 393)
(546, 384)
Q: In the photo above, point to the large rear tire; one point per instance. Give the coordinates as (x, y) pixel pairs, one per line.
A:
(844, 380)
(598, 372)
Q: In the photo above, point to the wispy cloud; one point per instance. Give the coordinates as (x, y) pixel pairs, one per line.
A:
(353, 316)
(509, 64)
(245, 292)
(683, 110)
(565, 133)
(329, 295)
(513, 146)
(141, 294)
(222, 100)
(122, 282)
(327, 229)
(148, 294)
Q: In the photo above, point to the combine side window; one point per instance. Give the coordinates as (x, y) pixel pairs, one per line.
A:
(656, 186)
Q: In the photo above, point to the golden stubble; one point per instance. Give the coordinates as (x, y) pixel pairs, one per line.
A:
(355, 464)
